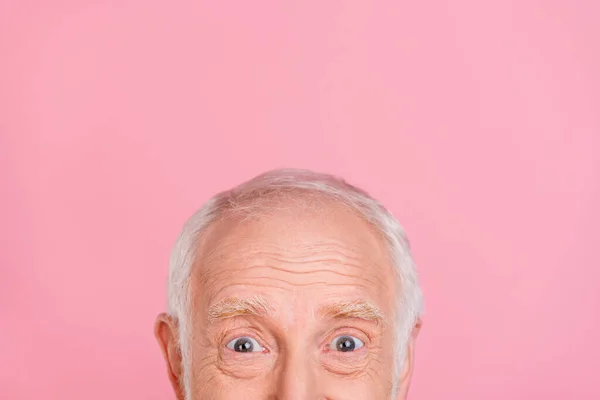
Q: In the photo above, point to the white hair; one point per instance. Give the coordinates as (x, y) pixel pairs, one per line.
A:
(410, 300)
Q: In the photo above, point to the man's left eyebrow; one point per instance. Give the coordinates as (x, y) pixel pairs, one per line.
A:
(360, 309)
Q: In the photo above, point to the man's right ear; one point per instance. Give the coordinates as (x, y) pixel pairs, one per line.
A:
(167, 334)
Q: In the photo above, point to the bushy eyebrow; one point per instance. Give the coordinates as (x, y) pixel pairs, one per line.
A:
(257, 306)
(235, 306)
(353, 309)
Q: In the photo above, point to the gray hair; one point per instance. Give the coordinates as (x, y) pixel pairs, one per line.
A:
(410, 299)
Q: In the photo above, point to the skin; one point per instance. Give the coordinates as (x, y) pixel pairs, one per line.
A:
(292, 264)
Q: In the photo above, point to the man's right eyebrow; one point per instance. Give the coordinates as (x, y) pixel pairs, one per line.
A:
(236, 306)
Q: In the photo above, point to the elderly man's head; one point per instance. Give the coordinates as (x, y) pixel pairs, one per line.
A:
(294, 285)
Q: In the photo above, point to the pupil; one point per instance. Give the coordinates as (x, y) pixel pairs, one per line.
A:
(345, 344)
(243, 345)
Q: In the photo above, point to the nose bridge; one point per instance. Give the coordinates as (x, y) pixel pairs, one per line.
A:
(297, 375)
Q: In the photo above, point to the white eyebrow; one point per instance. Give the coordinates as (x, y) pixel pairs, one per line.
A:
(235, 306)
(353, 309)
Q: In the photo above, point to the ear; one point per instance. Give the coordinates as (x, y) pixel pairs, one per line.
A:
(408, 363)
(167, 334)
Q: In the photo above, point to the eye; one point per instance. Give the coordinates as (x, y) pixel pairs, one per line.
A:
(244, 345)
(346, 343)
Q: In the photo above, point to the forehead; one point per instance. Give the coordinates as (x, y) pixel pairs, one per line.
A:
(312, 249)
(293, 222)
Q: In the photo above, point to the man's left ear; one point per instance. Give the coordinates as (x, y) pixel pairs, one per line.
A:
(408, 363)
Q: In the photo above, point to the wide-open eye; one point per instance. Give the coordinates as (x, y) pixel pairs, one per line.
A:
(244, 344)
(346, 343)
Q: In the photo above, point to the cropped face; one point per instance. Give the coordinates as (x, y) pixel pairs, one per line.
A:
(297, 304)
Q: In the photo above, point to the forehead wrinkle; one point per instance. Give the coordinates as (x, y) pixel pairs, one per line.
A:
(234, 306)
(227, 247)
(308, 254)
(244, 266)
(237, 266)
(298, 248)
(317, 273)
(284, 287)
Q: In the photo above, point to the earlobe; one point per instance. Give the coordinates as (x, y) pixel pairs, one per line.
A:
(166, 333)
(408, 363)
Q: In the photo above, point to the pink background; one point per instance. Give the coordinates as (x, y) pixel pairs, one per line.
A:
(476, 122)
